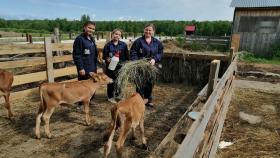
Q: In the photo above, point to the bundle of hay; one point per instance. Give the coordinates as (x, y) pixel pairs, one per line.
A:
(137, 73)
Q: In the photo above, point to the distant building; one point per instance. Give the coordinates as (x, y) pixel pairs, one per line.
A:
(189, 30)
(258, 23)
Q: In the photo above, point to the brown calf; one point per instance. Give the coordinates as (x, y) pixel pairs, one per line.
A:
(6, 81)
(54, 94)
(126, 114)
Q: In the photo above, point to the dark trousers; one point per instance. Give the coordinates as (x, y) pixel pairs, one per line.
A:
(111, 88)
(146, 91)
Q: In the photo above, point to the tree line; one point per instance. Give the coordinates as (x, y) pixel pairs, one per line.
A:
(163, 27)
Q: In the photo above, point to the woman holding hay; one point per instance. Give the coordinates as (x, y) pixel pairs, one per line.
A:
(150, 48)
(115, 49)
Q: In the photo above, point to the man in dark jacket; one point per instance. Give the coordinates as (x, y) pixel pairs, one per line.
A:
(85, 52)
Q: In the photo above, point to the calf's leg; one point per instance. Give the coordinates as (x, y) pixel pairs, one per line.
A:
(8, 105)
(46, 117)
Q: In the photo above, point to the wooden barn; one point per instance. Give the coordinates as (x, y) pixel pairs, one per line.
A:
(258, 23)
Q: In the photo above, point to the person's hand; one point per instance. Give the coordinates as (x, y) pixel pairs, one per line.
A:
(82, 72)
(91, 73)
(108, 60)
(152, 61)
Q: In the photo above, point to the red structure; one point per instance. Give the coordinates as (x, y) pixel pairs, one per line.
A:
(189, 29)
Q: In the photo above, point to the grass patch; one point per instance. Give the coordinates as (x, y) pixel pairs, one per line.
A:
(252, 58)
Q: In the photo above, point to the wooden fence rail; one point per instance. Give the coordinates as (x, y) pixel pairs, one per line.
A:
(203, 136)
(209, 40)
(49, 74)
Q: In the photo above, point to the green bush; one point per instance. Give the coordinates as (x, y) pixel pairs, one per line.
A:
(275, 49)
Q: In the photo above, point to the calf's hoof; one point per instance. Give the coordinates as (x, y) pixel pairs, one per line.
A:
(10, 115)
(49, 136)
(144, 146)
(37, 136)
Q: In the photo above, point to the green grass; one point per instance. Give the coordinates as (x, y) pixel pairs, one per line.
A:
(250, 57)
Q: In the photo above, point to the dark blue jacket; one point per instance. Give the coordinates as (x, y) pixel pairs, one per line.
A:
(141, 49)
(85, 54)
(110, 49)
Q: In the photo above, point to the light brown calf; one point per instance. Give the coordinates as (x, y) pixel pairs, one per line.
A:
(6, 81)
(54, 94)
(125, 114)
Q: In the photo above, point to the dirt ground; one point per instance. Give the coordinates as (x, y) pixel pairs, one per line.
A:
(72, 138)
(259, 99)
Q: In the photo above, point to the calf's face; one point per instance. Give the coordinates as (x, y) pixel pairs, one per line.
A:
(101, 78)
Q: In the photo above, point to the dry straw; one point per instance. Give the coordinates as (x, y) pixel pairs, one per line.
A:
(136, 72)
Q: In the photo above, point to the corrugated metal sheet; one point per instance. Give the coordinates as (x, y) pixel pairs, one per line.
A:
(254, 3)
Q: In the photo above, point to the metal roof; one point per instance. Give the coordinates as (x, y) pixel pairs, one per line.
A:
(254, 3)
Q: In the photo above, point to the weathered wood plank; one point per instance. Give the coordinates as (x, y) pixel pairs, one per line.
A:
(49, 59)
(196, 131)
(33, 61)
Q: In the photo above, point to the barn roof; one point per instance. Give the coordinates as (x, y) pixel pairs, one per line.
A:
(190, 28)
(254, 3)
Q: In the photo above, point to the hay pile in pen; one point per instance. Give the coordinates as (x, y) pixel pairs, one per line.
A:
(137, 73)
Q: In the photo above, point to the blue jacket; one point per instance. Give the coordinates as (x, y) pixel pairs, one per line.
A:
(85, 54)
(110, 49)
(141, 49)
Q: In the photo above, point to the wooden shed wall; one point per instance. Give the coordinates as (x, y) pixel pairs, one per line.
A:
(254, 40)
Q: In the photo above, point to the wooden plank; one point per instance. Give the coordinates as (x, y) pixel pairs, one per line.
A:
(65, 71)
(212, 124)
(196, 56)
(62, 46)
(29, 78)
(196, 131)
(23, 63)
(33, 61)
(213, 76)
(21, 48)
(57, 59)
(220, 123)
(49, 59)
(41, 76)
(30, 93)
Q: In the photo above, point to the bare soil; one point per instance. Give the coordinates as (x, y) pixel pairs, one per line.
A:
(72, 138)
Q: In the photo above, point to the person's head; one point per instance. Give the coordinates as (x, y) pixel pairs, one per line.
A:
(89, 27)
(116, 34)
(149, 30)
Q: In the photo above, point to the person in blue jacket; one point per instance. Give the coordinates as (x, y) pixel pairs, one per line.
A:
(85, 52)
(110, 49)
(151, 48)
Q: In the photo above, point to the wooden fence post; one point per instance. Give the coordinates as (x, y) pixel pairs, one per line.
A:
(213, 76)
(49, 58)
(27, 38)
(30, 39)
(57, 39)
(231, 55)
(108, 36)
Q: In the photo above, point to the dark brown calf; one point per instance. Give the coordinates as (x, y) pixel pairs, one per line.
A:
(6, 81)
(54, 94)
(126, 114)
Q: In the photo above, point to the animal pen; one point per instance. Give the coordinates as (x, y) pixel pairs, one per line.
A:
(209, 76)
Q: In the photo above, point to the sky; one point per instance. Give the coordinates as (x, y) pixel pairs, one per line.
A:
(135, 10)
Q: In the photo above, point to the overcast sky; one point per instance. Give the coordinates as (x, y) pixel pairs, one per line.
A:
(199, 10)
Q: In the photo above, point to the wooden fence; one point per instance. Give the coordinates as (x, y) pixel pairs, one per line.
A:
(202, 138)
(49, 74)
(201, 135)
(209, 40)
